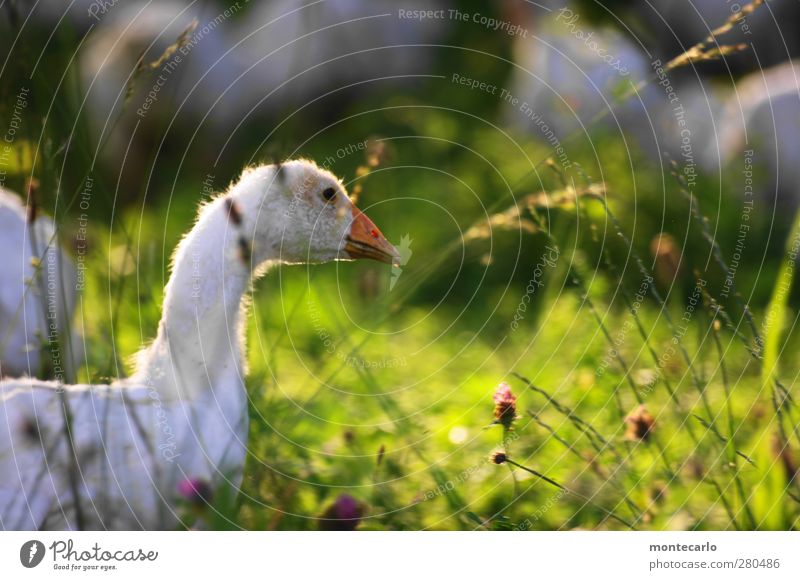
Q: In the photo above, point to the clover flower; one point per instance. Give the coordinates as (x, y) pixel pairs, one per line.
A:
(344, 514)
(196, 491)
(505, 405)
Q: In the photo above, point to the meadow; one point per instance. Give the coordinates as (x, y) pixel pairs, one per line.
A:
(646, 342)
(359, 386)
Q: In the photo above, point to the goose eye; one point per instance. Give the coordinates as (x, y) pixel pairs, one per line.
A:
(329, 194)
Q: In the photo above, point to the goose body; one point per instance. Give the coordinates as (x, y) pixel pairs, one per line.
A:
(182, 416)
(37, 287)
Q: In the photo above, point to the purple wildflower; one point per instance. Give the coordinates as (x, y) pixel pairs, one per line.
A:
(344, 514)
(195, 490)
(505, 405)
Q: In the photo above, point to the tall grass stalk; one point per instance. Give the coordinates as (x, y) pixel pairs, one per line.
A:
(609, 513)
(781, 398)
(733, 456)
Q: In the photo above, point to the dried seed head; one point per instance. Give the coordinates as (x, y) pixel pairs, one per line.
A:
(499, 457)
(640, 424)
(667, 256)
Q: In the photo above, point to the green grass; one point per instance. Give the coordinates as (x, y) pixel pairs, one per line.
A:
(387, 396)
(395, 408)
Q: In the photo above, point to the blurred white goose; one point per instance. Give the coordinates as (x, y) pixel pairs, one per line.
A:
(182, 417)
(762, 114)
(300, 49)
(756, 122)
(570, 72)
(37, 288)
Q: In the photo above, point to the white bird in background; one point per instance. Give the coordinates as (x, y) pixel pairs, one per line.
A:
(37, 294)
(762, 114)
(571, 73)
(753, 125)
(180, 422)
(246, 60)
(675, 25)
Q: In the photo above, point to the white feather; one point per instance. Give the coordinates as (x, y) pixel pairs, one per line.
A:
(37, 288)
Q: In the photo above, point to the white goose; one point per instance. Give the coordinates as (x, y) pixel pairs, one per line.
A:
(182, 417)
(37, 287)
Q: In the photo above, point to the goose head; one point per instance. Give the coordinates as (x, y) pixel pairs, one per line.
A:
(302, 214)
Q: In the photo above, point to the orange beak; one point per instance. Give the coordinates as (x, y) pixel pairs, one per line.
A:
(366, 241)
